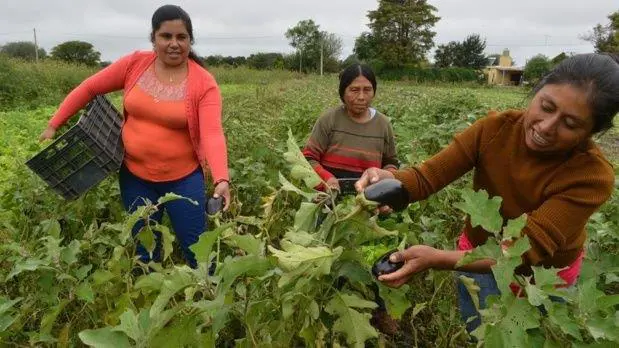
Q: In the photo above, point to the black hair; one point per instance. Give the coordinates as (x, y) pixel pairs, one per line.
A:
(170, 13)
(598, 75)
(348, 75)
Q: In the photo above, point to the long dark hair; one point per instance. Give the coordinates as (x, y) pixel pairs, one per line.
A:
(351, 73)
(597, 74)
(170, 13)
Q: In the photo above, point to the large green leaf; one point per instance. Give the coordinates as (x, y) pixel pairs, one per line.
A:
(514, 227)
(354, 325)
(167, 238)
(396, 300)
(203, 247)
(483, 211)
(247, 243)
(251, 265)
(69, 254)
(293, 256)
(306, 216)
(558, 315)
(300, 168)
(30, 264)
(104, 338)
(290, 187)
(511, 330)
(174, 282)
(489, 250)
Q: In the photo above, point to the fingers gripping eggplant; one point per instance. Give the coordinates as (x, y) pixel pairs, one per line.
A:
(389, 192)
(213, 205)
(383, 266)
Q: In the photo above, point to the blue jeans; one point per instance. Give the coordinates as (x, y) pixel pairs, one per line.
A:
(188, 220)
(487, 286)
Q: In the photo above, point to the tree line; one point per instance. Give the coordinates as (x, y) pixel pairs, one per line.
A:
(399, 39)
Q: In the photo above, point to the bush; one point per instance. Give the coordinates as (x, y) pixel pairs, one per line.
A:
(31, 85)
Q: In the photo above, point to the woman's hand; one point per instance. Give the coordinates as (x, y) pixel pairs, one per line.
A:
(223, 190)
(371, 176)
(333, 184)
(417, 258)
(48, 133)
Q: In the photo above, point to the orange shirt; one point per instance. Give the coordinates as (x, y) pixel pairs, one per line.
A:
(155, 135)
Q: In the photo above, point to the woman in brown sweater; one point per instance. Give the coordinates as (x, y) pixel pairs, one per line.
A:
(540, 160)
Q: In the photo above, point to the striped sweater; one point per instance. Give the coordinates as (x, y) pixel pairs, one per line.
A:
(340, 147)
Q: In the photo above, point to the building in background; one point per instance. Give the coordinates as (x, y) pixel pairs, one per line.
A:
(504, 74)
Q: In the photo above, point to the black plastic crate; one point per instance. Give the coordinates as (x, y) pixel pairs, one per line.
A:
(86, 154)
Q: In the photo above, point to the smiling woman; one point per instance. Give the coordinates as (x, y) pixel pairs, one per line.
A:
(172, 129)
(542, 161)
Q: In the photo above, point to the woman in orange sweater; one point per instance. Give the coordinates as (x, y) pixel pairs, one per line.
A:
(541, 161)
(172, 127)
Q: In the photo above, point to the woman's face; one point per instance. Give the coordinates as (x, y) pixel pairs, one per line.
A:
(172, 42)
(558, 119)
(358, 96)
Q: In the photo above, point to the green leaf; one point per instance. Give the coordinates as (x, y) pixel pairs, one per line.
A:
(170, 196)
(354, 301)
(174, 282)
(559, 316)
(247, 243)
(354, 325)
(69, 254)
(295, 255)
(608, 301)
(520, 247)
(503, 272)
(180, 333)
(535, 296)
(24, 266)
(130, 326)
(483, 211)
(546, 277)
(104, 338)
(514, 227)
(203, 247)
(167, 238)
(150, 282)
(82, 272)
(146, 236)
(300, 238)
(288, 186)
(48, 320)
(84, 292)
(511, 331)
(489, 250)
(603, 328)
(300, 168)
(101, 276)
(50, 227)
(396, 300)
(251, 265)
(306, 216)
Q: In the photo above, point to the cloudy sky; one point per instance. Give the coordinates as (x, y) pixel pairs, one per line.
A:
(116, 27)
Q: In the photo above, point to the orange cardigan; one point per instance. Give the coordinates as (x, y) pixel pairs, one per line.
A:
(203, 105)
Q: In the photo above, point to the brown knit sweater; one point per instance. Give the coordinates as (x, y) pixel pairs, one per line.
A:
(558, 193)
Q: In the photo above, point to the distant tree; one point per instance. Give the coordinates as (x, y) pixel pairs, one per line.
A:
(350, 60)
(79, 52)
(466, 54)
(266, 61)
(22, 50)
(400, 32)
(105, 63)
(365, 46)
(559, 58)
(445, 55)
(215, 60)
(331, 46)
(309, 41)
(536, 68)
(605, 38)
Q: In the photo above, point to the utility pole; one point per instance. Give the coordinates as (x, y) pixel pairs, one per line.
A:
(36, 46)
(300, 61)
(321, 55)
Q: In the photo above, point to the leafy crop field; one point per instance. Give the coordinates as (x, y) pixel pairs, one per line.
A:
(68, 269)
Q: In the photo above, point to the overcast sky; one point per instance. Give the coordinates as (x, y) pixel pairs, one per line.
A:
(116, 27)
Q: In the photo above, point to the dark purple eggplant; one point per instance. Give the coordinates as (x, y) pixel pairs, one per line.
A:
(383, 266)
(347, 186)
(389, 192)
(214, 205)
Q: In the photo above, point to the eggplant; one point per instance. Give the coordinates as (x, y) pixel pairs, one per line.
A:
(389, 192)
(214, 205)
(383, 266)
(347, 186)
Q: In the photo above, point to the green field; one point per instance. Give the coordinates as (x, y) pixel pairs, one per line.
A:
(66, 266)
